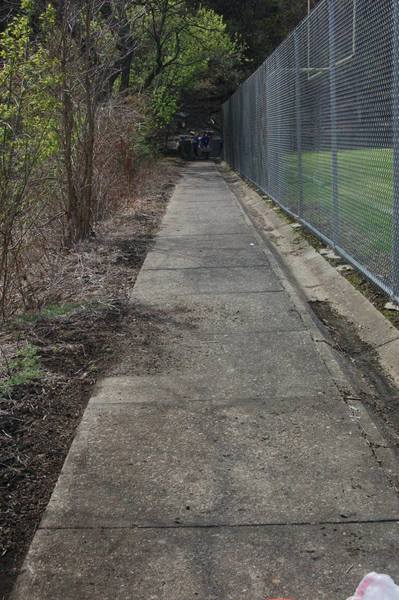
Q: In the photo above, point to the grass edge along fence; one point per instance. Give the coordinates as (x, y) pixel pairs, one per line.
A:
(316, 128)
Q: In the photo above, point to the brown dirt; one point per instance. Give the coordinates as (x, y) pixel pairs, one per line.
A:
(96, 325)
(373, 386)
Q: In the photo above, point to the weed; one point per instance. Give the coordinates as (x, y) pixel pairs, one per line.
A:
(21, 370)
(312, 239)
(50, 311)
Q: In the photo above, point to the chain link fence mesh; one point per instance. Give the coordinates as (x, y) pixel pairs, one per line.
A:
(316, 127)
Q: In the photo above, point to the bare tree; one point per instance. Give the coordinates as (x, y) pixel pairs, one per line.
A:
(87, 52)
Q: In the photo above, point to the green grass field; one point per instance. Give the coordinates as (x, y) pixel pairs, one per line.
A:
(365, 197)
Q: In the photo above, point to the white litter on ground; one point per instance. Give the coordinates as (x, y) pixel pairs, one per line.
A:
(344, 268)
(329, 253)
(392, 306)
(376, 587)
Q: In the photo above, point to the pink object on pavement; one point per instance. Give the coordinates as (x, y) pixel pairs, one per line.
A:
(376, 587)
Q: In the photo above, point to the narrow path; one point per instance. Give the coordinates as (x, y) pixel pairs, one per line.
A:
(236, 472)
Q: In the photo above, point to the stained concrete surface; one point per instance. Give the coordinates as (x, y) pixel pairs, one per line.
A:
(204, 227)
(207, 280)
(165, 257)
(246, 563)
(244, 469)
(207, 241)
(205, 314)
(236, 471)
(276, 364)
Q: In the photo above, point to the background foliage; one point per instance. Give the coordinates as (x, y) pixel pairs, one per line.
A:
(84, 89)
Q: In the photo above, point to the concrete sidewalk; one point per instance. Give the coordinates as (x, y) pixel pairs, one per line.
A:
(237, 473)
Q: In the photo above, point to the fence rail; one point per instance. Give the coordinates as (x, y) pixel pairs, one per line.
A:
(316, 127)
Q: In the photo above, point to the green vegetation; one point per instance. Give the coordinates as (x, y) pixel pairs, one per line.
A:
(261, 24)
(21, 370)
(365, 194)
(59, 310)
(87, 89)
(182, 48)
(49, 312)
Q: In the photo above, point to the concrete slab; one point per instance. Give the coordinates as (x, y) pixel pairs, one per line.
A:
(323, 562)
(228, 313)
(242, 240)
(207, 198)
(203, 179)
(207, 219)
(164, 257)
(202, 220)
(206, 280)
(200, 186)
(206, 227)
(244, 469)
(275, 364)
(182, 214)
(224, 208)
(202, 201)
(203, 182)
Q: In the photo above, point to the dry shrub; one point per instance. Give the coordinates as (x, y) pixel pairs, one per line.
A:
(117, 153)
(39, 257)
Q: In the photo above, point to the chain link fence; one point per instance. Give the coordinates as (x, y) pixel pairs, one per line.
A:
(316, 127)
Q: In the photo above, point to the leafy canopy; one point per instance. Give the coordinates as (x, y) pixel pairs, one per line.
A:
(178, 48)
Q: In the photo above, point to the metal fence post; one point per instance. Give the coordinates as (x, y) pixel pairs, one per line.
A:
(332, 32)
(298, 118)
(265, 136)
(268, 134)
(395, 214)
(278, 145)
